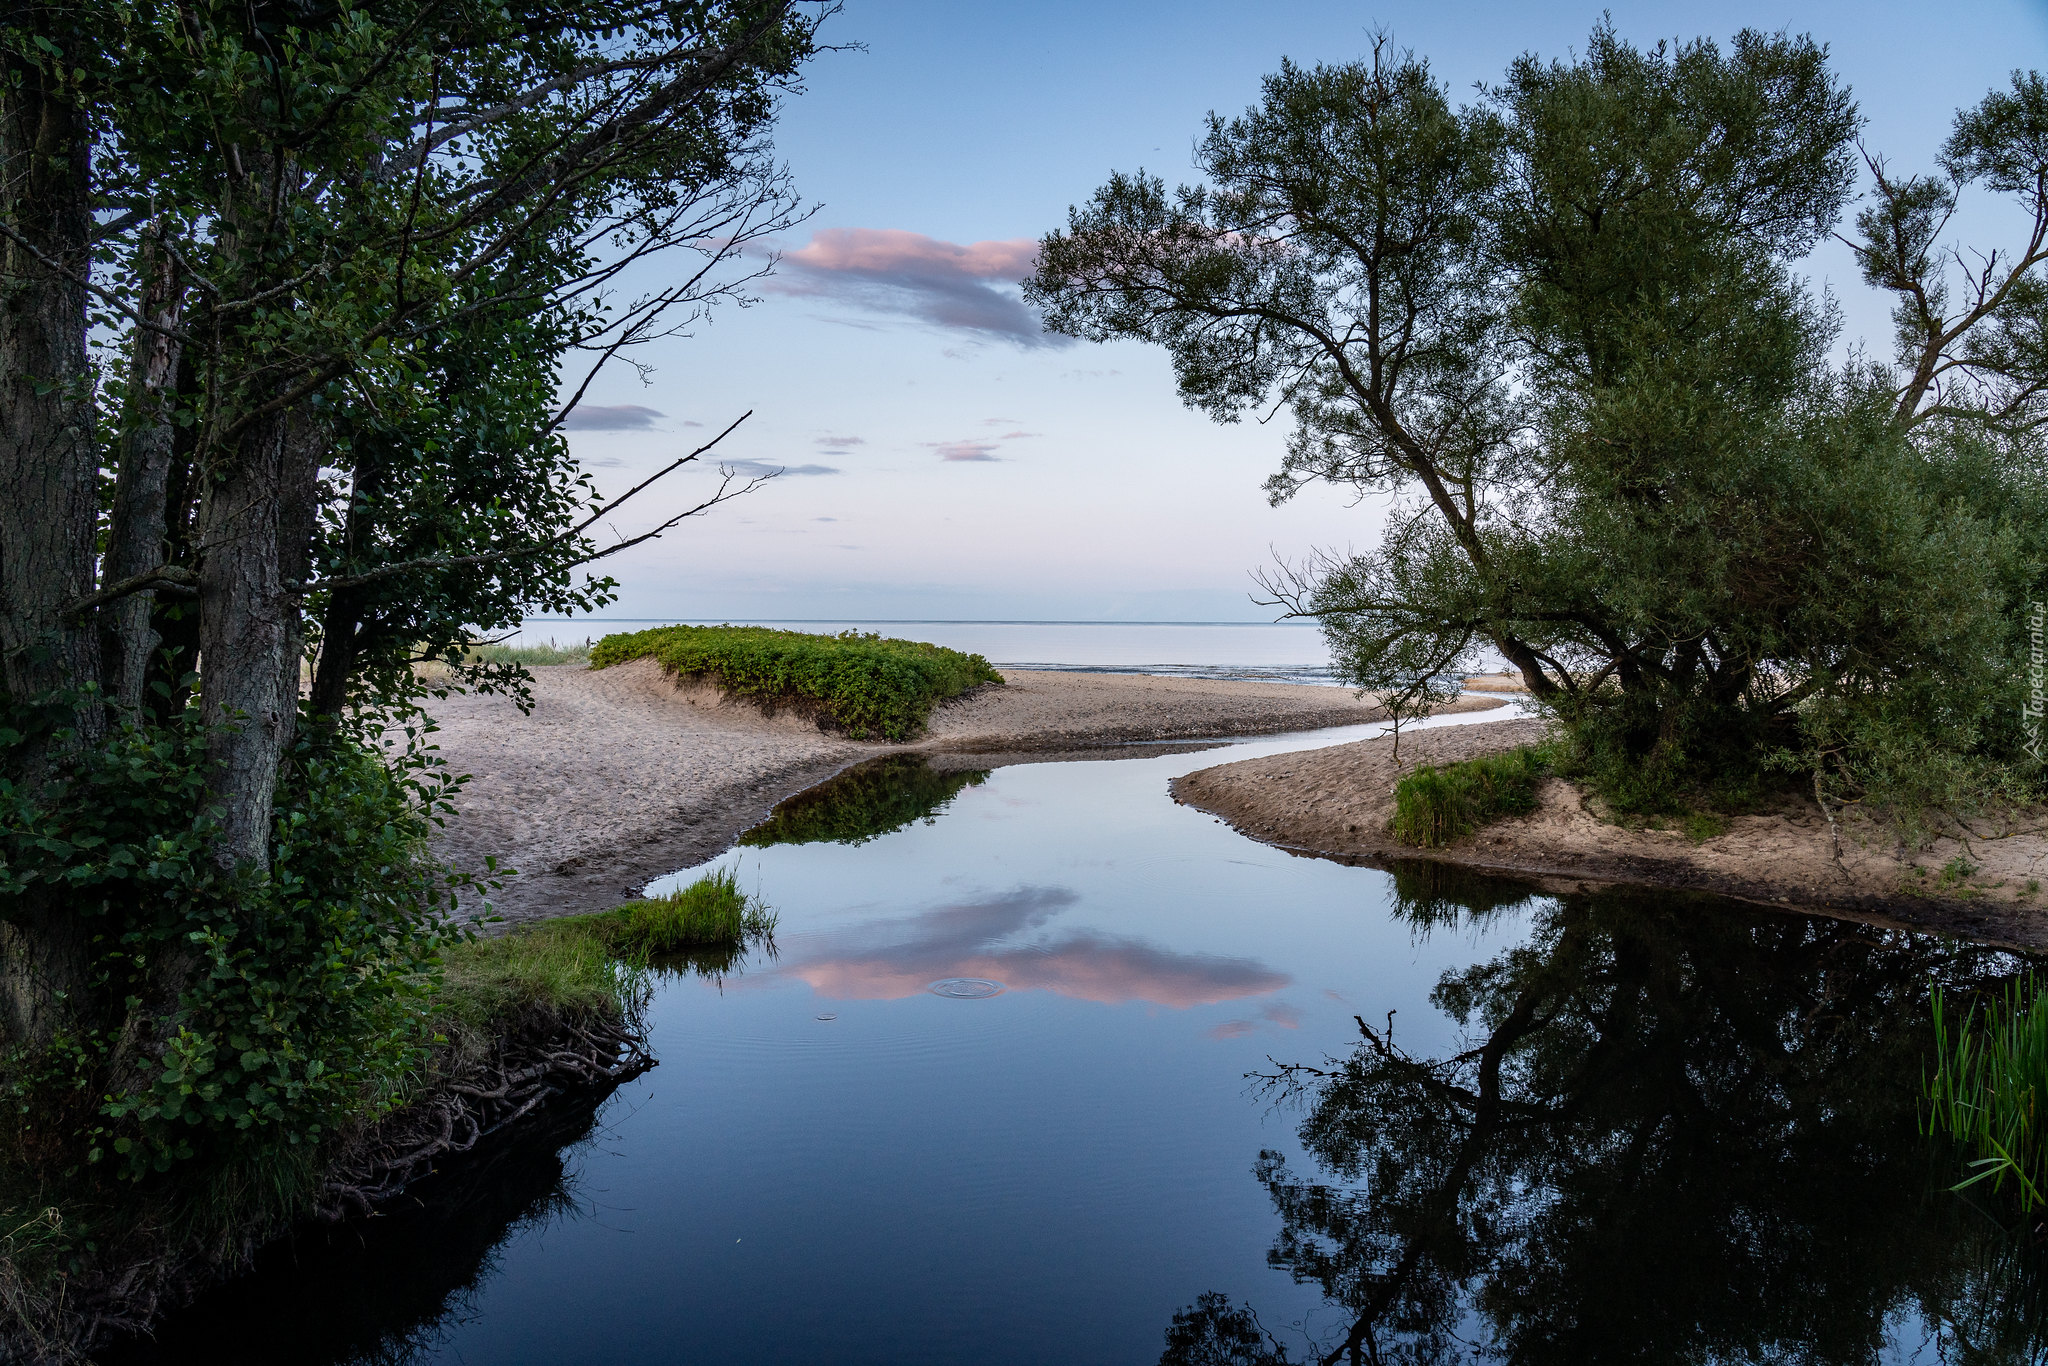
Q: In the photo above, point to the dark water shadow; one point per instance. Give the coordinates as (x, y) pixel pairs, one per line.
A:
(1675, 1131)
(383, 1291)
(864, 803)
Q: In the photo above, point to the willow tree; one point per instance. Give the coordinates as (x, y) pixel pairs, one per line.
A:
(1560, 333)
(293, 295)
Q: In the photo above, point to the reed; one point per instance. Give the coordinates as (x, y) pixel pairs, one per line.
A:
(1434, 806)
(1990, 1076)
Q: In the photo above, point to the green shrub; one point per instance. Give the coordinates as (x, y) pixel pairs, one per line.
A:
(303, 989)
(1989, 1089)
(866, 684)
(1434, 806)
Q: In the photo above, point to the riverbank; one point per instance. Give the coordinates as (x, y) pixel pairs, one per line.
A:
(618, 775)
(1337, 802)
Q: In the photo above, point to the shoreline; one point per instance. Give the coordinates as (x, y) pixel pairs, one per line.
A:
(621, 775)
(1336, 804)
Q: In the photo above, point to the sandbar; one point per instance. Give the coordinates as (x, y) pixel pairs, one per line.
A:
(618, 775)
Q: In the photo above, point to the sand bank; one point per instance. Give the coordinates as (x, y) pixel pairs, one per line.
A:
(1337, 803)
(618, 776)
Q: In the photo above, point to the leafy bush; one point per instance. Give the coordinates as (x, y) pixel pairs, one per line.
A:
(294, 993)
(1989, 1088)
(866, 684)
(1434, 806)
(864, 803)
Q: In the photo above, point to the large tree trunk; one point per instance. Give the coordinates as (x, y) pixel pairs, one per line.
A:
(136, 539)
(48, 502)
(258, 526)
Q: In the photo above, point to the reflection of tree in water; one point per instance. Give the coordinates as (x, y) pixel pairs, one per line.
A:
(384, 1291)
(1681, 1132)
(867, 801)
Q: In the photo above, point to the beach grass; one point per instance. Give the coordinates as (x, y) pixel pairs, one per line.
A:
(1989, 1089)
(1434, 806)
(709, 913)
(865, 684)
(548, 652)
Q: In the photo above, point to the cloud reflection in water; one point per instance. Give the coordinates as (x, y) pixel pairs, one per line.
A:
(891, 959)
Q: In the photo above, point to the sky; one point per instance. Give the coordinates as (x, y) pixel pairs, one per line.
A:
(943, 458)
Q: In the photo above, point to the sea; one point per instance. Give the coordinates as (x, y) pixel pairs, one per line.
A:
(1280, 652)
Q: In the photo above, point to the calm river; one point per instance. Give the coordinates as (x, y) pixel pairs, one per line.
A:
(1028, 1080)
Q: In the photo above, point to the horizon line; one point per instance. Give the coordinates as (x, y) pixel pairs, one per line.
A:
(921, 621)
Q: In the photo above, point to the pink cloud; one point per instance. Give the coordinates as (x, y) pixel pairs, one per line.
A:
(1232, 1029)
(895, 959)
(893, 251)
(1282, 1014)
(965, 286)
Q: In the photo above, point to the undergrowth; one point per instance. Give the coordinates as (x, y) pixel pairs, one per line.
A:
(1988, 1090)
(1435, 806)
(863, 683)
(73, 1240)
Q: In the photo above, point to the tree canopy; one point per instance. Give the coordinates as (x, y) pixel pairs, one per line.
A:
(295, 299)
(1561, 332)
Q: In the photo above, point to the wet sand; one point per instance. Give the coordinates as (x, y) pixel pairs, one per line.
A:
(1338, 802)
(619, 776)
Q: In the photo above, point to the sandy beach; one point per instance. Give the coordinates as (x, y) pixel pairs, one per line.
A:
(618, 775)
(1337, 803)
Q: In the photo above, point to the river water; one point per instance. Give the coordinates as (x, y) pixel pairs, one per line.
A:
(1045, 1068)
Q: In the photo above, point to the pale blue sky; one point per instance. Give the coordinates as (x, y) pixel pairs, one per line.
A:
(976, 472)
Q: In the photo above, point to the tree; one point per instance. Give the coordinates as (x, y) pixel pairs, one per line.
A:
(1559, 332)
(295, 291)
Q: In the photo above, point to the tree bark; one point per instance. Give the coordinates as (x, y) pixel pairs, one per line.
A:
(48, 504)
(136, 539)
(257, 517)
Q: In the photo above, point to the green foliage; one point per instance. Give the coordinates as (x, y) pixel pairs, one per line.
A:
(1435, 806)
(865, 802)
(1564, 327)
(1989, 1090)
(708, 913)
(301, 991)
(866, 684)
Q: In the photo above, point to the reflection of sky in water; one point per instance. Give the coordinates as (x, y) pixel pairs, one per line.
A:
(1046, 1174)
(1002, 938)
(833, 1163)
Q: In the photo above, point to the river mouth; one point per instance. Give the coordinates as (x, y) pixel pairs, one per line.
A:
(1225, 1103)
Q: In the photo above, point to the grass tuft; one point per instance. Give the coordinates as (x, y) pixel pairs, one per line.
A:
(1434, 806)
(865, 684)
(710, 913)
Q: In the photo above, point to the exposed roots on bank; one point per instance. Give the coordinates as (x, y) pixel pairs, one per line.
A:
(482, 1097)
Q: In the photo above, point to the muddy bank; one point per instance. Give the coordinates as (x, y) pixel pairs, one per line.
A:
(618, 776)
(1337, 803)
